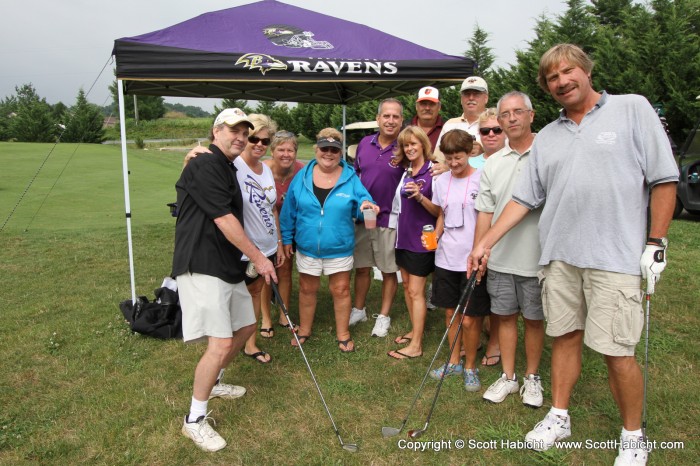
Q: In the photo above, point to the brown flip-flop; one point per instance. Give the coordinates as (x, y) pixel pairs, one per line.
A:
(402, 340)
(403, 355)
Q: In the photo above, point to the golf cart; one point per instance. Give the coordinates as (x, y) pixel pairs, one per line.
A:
(354, 132)
(688, 189)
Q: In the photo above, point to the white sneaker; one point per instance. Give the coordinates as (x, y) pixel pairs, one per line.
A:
(227, 391)
(381, 326)
(633, 451)
(357, 315)
(203, 435)
(500, 389)
(549, 430)
(531, 391)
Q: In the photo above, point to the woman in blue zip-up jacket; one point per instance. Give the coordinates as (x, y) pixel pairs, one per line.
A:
(318, 216)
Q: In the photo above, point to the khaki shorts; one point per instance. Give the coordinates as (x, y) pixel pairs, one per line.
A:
(375, 248)
(606, 305)
(211, 307)
(316, 266)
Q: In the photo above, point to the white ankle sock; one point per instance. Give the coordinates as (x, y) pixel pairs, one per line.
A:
(559, 412)
(631, 433)
(221, 376)
(197, 409)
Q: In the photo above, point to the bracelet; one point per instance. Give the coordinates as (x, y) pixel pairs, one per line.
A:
(421, 199)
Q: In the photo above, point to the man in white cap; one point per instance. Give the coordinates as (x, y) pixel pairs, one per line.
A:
(209, 241)
(475, 96)
(428, 114)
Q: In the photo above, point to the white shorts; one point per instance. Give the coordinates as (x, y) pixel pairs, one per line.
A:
(212, 308)
(315, 266)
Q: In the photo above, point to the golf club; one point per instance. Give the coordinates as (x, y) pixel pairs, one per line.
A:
(391, 431)
(417, 433)
(646, 367)
(351, 447)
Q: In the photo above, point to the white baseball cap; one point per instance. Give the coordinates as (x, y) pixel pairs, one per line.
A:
(474, 83)
(428, 93)
(231, 117)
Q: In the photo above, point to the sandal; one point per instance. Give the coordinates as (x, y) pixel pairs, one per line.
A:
(486, 360)
(259, 356)
(267, 332)
(345, 344)
(296, 326)
(402, 340)
(302, 340)
(392, 354)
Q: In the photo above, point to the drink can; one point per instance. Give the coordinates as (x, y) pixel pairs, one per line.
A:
(251, 271)
(429, 238)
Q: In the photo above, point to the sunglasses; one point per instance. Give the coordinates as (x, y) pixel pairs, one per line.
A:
(332, 150)
(284, 134)
(255, 140)
(485, 131)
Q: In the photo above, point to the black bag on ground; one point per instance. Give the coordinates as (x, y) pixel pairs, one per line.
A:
(161, 318)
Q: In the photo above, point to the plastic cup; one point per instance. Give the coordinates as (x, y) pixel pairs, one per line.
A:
(370, 218)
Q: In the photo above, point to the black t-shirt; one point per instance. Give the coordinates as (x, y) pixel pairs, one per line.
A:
(207, 189)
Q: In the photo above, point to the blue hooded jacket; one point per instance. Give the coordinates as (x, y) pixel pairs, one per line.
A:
(323, 231)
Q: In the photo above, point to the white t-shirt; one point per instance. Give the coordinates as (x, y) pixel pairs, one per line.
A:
(456, 198)
(259, 197)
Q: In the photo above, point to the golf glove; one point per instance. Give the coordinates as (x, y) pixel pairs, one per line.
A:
(652, 263)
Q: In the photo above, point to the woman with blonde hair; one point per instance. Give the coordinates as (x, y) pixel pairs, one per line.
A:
(415, 210)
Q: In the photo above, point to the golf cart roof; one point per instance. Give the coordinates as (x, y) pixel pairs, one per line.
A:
(362, 125)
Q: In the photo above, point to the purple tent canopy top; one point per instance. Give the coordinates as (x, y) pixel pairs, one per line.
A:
(269, 50)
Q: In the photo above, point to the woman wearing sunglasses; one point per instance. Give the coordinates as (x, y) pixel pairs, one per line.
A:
(284, 166)
(260, 220)
(492, 139)
(318, 215)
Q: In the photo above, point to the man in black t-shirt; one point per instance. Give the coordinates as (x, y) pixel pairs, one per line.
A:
(209, 242)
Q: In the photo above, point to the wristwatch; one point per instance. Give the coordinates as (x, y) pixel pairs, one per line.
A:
(663, 242)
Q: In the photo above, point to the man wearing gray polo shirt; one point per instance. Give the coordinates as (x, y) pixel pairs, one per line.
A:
(513, 264)
(598, 167)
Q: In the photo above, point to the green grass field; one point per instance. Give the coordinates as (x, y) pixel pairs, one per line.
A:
(78, 387)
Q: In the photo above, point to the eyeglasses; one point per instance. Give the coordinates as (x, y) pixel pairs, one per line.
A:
(332, 150)
(518, 112)
(255, 140)
(485, 131)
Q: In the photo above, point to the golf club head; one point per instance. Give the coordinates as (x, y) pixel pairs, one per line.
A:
(417, 433)
(351, 447)
(390, 431)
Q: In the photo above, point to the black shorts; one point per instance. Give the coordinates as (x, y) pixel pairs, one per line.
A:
(448, 287)
(420, 264)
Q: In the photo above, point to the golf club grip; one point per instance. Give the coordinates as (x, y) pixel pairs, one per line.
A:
(467, 293)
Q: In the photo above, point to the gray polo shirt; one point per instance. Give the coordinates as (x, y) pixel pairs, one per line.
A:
(518, 252)
(596, 178)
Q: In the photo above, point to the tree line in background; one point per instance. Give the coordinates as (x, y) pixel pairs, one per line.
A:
(651, 49)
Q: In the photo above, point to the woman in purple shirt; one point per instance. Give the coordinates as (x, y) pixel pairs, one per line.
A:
(415, 211)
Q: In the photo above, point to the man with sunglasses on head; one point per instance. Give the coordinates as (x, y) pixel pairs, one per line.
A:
(380, 174)
(513, 265)
(594, 171)
(209, 243)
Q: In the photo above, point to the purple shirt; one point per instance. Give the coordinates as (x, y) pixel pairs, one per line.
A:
(413, 216)
(379, 173)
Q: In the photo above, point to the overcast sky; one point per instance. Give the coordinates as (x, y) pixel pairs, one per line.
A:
(62, 45)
